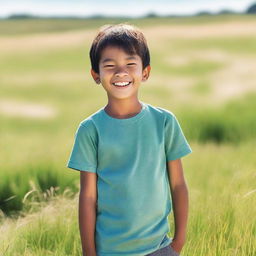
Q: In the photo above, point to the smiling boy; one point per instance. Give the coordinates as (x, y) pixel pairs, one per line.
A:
(128, 154)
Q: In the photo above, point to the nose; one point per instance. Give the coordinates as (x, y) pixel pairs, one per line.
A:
(121, 72)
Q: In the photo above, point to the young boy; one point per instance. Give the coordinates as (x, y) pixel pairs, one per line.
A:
(128, 154)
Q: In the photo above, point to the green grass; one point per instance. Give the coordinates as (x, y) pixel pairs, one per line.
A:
(223, 125)
(221, 218)
(195, 67)
(201, 88)
(39, 179)
(62, 59)
(232, 44)
(45, 234)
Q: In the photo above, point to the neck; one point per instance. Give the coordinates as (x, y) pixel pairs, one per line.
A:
(123, 108)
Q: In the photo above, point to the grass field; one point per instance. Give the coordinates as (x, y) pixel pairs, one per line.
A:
(203, 70)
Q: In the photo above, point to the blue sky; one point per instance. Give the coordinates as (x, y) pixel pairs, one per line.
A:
(130, 8)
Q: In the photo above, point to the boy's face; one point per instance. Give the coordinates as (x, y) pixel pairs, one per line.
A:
(120, 73)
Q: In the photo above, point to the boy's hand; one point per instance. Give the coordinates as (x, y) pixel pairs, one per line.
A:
(177, 245)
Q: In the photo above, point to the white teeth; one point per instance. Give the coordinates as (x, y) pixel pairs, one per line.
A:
(122, 83)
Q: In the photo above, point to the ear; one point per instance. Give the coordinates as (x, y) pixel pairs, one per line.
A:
(145, 73)
(95, 76)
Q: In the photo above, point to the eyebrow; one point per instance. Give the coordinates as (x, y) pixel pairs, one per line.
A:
(128, 58)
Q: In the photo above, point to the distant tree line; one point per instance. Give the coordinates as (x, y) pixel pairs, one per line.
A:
(250, 10)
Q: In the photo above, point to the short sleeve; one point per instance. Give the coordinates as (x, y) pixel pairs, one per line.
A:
(176, 145)
(83, 156)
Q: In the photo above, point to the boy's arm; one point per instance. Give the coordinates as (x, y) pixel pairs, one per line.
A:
(87, 211)
(179, 194)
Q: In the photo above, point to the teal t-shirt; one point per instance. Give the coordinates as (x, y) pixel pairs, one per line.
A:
(130, 158)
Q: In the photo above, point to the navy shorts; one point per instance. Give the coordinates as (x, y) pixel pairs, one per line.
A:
(166, 251)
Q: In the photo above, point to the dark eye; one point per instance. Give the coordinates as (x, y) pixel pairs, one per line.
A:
(108, 66)
(131, 64)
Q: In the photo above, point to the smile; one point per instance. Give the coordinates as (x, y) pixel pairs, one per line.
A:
(122, 84)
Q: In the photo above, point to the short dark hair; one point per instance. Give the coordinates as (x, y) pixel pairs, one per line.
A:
(125, 36)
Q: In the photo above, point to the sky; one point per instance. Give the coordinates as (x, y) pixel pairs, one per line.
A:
(129, 8)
